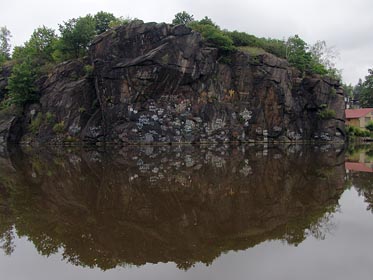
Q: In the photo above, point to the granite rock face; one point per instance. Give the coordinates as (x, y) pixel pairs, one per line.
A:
(145, 83)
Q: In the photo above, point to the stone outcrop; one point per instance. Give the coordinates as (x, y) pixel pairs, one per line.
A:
(145, 83)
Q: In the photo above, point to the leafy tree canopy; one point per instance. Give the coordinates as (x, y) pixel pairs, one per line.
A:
(40, 46)
(102, 21)
(4, 44)
(182, 18)
(76, 35)
(21, 84)
(366, 91)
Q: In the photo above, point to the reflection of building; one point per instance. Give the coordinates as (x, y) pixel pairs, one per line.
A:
(359, 166)
(359, 117)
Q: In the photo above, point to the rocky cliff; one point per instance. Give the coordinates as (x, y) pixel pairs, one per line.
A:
(145, 83)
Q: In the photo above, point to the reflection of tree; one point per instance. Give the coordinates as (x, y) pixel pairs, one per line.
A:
(6, 223)
(354, 151)
(363, 183)
(181, 204)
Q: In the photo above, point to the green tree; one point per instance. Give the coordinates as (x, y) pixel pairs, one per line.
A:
(76, 35)
(358, 88)
(297, 54)
(40, 46)
(323, 59)
(21, 84)
(102, 21)
(208, 21)
(182, 18)
(348, 90)
(4, 44)
(366, 95)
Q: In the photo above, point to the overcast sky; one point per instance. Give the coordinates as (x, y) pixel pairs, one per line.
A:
(345, 24)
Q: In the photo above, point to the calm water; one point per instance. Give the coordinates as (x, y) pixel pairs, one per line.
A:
(187, 212)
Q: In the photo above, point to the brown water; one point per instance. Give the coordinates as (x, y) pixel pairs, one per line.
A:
(187, 212)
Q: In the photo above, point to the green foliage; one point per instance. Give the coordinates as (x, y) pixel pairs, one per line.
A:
(88, 69)
(353, 131)
(297, 54)
(4, 44)
(102, 21)
(49, 117)
(36, 123)
(21, 84)
(254, 51)
(369, 126)
(348, 90)
(75, 36)
(213, 35)
(39, 47)
(242, 39)
(208, 21)
(326, 114)
(182, 18)
(59, 127)
(366, 91)
(323, 58)
(120, 21)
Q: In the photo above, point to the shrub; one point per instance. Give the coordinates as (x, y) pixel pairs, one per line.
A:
(369, 126)
(36, 123)
(326, 114)
(254, 51)
(273, 46)
(213, 35)
(88, 69)
(59, 127)
(357, 131)
(49, 117)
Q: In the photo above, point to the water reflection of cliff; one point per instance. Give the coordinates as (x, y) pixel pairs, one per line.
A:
(183, 204)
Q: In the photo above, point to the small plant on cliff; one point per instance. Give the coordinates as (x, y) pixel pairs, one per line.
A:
(213, 34)
(88, 70)
(326, 114)
(59, 127)
(49, 117)
(36, 123)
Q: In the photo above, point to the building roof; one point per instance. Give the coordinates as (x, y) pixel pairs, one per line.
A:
(357, 113)
(358, 166)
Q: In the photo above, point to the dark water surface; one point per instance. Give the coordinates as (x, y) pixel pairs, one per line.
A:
(187, 212)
